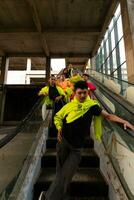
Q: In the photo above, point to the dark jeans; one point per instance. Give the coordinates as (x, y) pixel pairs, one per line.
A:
(68, 160)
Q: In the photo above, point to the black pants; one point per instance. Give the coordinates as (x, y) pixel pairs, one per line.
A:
(68, 159)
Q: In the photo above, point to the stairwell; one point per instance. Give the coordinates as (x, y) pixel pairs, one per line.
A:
(87, 183)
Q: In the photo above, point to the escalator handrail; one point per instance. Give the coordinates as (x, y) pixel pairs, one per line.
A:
(118, 98)
(128, 131)
(21, 125)
(112, 77)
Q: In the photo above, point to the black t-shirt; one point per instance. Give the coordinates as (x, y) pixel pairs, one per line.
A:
(76, 131)
(53, 92)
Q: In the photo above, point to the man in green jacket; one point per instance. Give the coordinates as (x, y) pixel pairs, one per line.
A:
(73, 123)
(54, 96)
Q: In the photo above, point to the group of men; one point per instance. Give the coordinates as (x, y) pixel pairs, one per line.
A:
(73, 121)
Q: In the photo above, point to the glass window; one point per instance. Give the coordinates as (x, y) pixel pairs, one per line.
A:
(107, 48)
(103, 69)
(119, 27)
(112, 39)
(108, 71)
(124, 72)
(111, 61)
(99, 60)
(106, 35)
(99, 50)
(114, 60)
(103, 56)
(108, 63)
(122, 51)
(111, 24)
(115, 74)
(117, 12)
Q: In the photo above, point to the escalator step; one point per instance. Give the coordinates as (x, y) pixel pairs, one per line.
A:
(89, 158)
(85, 183)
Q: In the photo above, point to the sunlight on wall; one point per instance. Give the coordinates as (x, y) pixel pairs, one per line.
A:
(16, 77)
(57, 64)
(21, 77)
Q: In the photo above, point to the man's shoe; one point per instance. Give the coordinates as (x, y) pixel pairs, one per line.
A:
(42, 195)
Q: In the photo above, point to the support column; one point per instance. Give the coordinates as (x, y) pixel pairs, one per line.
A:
(3, 80)
(48, 68)
(4, 69)
(28, 70)
(127, 7)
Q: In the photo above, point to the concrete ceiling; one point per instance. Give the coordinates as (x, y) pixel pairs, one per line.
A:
(70, 29)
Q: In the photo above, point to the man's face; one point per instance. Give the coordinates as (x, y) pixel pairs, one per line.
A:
(52, 81)
(62, 78)
(81, 94)
(85, 78)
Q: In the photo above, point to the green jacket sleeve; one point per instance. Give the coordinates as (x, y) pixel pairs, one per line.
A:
(43, 90)
(60, 116)
(61, 91)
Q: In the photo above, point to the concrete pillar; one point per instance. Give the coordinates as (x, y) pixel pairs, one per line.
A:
(4, 69)
(28, 70)
(127, 8)
(48, 68)
(2, 104)
(3, 80)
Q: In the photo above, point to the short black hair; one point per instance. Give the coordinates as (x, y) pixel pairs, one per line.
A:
(80, 85)
(85, 74)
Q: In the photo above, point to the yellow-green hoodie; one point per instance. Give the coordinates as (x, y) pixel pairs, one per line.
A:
(47, 100)
(74, 110)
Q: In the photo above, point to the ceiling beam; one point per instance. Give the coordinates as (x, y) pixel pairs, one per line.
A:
(76, 63)
(71, 55)
(26, 54)
(90, 31)
(52, 55)
(37, 23)
(108, 17)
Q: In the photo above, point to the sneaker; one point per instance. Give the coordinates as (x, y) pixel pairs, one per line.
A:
(42, 195)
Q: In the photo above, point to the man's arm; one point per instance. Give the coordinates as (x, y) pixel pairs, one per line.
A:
(58, 118)
(43, 91)
(115, 118)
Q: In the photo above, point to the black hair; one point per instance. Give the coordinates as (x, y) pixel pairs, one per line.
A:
(86, 75)
(81, 85)
(52, 76)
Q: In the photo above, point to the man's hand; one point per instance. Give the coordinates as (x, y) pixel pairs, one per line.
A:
(128, 125)
(45, 94)
(58, 98)
(115, 118)
(59, 136)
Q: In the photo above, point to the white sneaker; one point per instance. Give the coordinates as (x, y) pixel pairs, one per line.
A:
(42, 195)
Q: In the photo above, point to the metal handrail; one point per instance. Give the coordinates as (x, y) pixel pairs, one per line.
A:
(112, 77)
(118, 98)
(129, 132)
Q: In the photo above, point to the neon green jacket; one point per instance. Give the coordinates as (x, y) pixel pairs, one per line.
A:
(74, 110)
(47, 100)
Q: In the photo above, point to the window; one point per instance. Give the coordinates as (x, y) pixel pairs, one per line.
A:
(112, 57)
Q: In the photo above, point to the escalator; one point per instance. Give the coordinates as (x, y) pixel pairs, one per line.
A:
(119, 146)
(36, 169)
